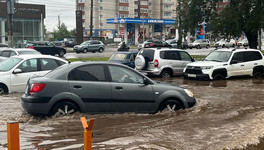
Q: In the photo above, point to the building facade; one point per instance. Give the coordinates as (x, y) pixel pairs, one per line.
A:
(27, 23)
(105, 9)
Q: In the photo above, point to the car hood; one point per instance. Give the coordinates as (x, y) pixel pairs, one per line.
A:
(205, 63)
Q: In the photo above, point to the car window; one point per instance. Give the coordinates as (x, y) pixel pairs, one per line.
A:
(88, 73)
(185, 56)
(251, 56)
(48, 64)
(8, 64)
(49, 44)
(147, 54)
(171, 55)
(40, 44)
(12, 54)
(6, 53)
(121, 57)
(238, 57)
(132, 57)
(29, 65)
(124, 75)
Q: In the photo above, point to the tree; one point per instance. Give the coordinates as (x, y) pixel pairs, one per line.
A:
(61, 32)
(241, 16)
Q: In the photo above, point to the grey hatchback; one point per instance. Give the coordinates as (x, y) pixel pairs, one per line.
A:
(101, 87)
(89, 46)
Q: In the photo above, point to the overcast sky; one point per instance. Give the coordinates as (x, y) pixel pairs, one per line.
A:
(64, 8)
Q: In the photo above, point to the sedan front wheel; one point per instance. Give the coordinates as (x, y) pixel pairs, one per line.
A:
(170, 106)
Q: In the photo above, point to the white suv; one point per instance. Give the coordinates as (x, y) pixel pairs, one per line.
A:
(162, 62)
(226, 63)
(225, 43)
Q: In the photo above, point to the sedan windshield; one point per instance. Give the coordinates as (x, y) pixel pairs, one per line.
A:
(219, 56)
(9, 63)
(119, 57)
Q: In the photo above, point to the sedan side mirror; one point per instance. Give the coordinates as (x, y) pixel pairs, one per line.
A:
(145, 81)
(16, 71)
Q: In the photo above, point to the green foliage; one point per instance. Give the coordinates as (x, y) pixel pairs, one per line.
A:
(62, 32)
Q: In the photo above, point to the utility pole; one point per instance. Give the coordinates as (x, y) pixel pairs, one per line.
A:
(10, 13)
(91, 21)
(59, 21)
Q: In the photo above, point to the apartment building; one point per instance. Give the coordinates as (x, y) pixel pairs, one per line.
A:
(105, 9)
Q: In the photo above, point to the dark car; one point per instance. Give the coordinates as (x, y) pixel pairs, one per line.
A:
(153, 43)
(101, 87)
(48, 48)
(126, 58)
(3, 45)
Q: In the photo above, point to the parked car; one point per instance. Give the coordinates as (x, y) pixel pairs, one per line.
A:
(225, 43)
(3, 45)
(244, 43)
(162, 62)
(126, 58)
(174, 43)
(16, 70)
(225, 63)
(101, 87)
(8, 52)
(59, 43)
(199, 44)
(89, 46)
(70, 43)
(48, 48)
(153, 43)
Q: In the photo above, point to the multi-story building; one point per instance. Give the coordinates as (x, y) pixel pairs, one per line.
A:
(144, 9)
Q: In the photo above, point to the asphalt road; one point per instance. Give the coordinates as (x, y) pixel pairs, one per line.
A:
(110, 50)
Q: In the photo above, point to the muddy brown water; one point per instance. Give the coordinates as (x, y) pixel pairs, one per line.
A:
(228, 115)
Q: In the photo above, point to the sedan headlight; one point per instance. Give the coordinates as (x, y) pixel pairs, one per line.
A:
(206, 67)
(188, 92)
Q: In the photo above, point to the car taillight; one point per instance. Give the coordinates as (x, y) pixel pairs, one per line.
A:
(156, 63)
(151, 44)
(36, 87)
(32, 47)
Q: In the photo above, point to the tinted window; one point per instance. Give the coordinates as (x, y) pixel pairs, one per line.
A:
(29, 65)
(238, 57)
(12, 54)
(185, 56)
(88, 73)
(6, 54)
(124, 75)
(8, 64)
(148, 54)
(251, 56)
(48, 64)
(171, 55)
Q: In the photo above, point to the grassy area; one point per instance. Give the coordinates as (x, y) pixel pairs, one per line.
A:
(196, 57)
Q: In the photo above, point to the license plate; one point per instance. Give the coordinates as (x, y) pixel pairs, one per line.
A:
(192, 75)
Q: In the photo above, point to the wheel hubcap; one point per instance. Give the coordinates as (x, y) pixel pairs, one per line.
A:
(166, 75)
(2, 91)
(171, 107)
(65, 110)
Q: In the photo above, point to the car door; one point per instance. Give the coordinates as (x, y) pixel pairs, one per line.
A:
(89, 83)
(129, 93)
(51, 49)
(237, 68)
(92, 46)
(251, 59)
(29, 69)
(172, 60)
(185, 59)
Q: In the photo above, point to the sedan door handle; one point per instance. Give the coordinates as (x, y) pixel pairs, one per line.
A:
(242, 65)
(77, 86)
(119, 87)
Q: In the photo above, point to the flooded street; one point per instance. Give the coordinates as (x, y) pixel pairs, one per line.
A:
(228, 115)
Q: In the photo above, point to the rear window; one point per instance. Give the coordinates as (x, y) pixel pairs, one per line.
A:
(147, 54)
(251, 56)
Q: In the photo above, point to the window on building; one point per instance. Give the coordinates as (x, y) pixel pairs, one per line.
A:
(135, 14)
(143, 10)
(123, 15)
(123, 8)
(167, 14)
(100, 8)
(136, 6)
(124, 1)
(100, 16)
(101, 24)
(143, 2)
(101, 1)
(167, 6)
(81, 1)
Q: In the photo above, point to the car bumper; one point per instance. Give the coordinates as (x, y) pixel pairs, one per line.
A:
(197, 76)
(35, 105)
(149, 72)
(191, 102)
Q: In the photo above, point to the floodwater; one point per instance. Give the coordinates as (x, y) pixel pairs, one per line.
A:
(228, 115)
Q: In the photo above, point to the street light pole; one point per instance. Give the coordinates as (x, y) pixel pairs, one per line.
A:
(91, 21)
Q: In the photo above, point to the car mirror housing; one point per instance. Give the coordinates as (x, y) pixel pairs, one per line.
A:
(16, 71)
(145, 81)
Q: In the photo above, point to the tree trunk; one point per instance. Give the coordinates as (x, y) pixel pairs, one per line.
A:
(252, 39)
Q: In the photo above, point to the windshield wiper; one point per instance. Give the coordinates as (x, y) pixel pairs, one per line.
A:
(216, 60)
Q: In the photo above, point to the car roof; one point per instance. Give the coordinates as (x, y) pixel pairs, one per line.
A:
(132, 52)
(18, 49)
(237, 50)
(163, 48)
(29, 56)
